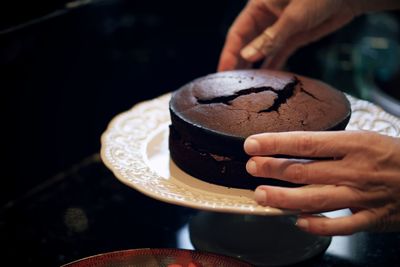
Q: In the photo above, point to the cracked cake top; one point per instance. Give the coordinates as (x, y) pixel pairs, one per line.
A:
(244, 102)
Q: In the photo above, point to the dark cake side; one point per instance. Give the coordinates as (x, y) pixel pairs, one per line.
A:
(213, 168)
(212, 116)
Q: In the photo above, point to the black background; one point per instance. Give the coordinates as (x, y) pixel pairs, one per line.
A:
(63, 78)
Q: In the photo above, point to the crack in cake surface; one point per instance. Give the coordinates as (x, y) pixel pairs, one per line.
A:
(283, 95)
(309, 94)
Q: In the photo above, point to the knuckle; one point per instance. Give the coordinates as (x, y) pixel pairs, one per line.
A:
(295, 18)
(347, 231)
(375, 166)
(322, 228)
(356, 178)
(364, 139)
(366, 180)
(356, 196)
(372, 135)
(280, 199)
(297, 173)
(359, 176)
(266, 168)
(382, 158)
(317, 202)
(348, 228)
(232, 33)
(305, 145)
(326, 228)
(273, 146)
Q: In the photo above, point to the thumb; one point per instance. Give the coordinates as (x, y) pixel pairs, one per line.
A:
(270, 40)
(294, 19)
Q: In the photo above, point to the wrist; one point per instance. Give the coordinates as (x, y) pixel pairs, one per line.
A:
(360, 7)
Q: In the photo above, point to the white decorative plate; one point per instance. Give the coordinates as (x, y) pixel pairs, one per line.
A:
(135, 148)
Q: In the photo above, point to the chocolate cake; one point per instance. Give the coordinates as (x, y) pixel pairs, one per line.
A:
(212, 116)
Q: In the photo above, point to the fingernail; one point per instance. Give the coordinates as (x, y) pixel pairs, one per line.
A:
(302, 223)
(251, 167)
(248, 52)
(260, 196)
(251, 146)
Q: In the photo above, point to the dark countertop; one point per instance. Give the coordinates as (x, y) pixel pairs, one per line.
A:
(85, 211)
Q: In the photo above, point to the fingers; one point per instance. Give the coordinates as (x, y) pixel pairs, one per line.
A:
(250, 22)
(264, 45)
(236, 38)
(315, 199)
(263, 36)
(230, 58)
(295, 27)
(348, 225)
(278, 61)
(292, 20)
(296, 171)
(302, 38)
(362, 179)
(302, 144)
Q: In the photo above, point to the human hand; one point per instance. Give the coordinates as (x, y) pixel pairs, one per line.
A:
(363, 175)
(274, 29)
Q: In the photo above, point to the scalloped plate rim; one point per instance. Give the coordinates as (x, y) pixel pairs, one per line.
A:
(253, 209)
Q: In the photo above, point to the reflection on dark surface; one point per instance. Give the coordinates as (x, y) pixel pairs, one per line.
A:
(64, 77)
(82, 212)
(85, 211)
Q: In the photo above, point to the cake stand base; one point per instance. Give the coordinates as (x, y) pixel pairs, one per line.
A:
(259, 240)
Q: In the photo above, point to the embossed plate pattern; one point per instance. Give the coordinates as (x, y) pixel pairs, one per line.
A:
(134, 147)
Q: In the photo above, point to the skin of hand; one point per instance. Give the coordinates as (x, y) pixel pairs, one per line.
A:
(359, 170)
(274, 29)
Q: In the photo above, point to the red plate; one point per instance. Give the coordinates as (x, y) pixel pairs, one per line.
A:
(165, 257)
